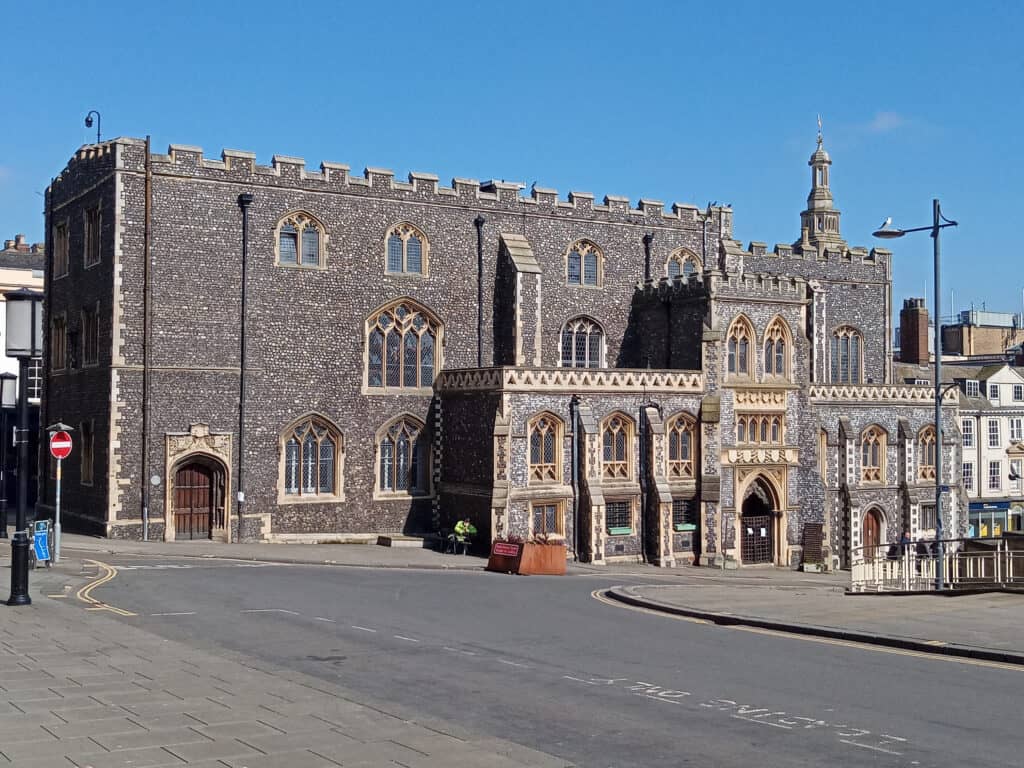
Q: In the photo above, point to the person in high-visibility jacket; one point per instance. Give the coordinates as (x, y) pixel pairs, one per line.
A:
(464, 532)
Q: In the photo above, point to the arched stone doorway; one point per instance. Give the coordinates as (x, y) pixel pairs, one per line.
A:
(871, 532)
(757, 523)
(198, 498)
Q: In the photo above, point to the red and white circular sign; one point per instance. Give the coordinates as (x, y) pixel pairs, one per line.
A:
(60, 445)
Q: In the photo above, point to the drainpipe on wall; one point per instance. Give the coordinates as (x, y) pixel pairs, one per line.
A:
(146, 326)
(648, 239)
(479, 222)
(574, 405)
(244, 201)
(643, 481)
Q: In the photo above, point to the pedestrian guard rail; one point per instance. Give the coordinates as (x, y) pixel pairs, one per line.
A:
(966, 564)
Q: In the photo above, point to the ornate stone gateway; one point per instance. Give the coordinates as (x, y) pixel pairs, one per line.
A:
(757, 524)
(198, 483)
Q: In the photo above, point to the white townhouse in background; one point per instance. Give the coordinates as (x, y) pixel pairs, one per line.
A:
(992, 428)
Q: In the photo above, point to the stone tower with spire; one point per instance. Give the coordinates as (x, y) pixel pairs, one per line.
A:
(819, 223)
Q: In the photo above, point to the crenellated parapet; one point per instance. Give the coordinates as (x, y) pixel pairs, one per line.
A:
(760, 285)
(238, 166)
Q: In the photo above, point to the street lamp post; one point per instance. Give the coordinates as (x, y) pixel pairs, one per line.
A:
(8, 399)
(88, 122)
(24, 331)
(939, 222)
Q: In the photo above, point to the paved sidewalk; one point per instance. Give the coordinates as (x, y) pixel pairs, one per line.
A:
(79, 689)
(982, 626)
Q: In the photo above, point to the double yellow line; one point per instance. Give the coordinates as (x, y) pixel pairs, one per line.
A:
(84, 594)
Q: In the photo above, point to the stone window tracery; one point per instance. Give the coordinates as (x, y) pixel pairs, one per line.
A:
(872, 455)
(402, 344)
(777, 350)
(682, 262)
(759, 429)
(584, 264)
(403, 458)
(926, 454)
(300, 241)
(545, 433)
(616, 437)
(582, 344)
(739, 347)
(847, 355)
(311, 460)
(406, 250)
(682, 438)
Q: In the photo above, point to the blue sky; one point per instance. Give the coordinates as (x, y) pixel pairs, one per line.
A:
(676, 101)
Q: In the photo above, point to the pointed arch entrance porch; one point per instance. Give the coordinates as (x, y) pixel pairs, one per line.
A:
(198, 483)
(761, 521)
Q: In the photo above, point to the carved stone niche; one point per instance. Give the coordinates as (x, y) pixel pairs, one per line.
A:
(198, 439)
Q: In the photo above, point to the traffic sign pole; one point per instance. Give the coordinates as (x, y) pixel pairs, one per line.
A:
(56, 521)
(60, 449)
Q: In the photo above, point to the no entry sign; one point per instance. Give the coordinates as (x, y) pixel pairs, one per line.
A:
(60, 445)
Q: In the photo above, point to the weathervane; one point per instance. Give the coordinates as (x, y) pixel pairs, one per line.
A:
(819, 131)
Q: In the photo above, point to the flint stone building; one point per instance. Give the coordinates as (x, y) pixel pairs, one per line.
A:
(277, 353)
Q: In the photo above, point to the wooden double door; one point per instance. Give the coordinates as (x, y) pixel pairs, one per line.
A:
(198, 500)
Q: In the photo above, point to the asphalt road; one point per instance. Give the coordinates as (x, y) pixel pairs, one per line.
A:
(541, 661)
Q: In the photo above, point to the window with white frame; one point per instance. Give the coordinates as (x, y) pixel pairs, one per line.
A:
(311, 451)
(995, 475)
(967, 429)
(846, 355)
(583, 264)
(993, 433)
(972, 388)
(406, 250)
(1015, 475)
(927, 516)
(993, 391)
(619, 517)
(1016, 429)
(968, 474)
(1018, 392)
(582, 344)
(300, 240)
(403, 458)
(402, 348)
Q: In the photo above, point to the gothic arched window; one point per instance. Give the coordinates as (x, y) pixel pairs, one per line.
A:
(777, 349)
(847, 355)
(872, 455)
(682, 444)
(582, 344)
(584, 264)
(617, 440)
(682, 262)
(403, 458)
(739, 347)
(300, 241)
(403, 345)
(545, 436)
(311, 458)
(406, 250)
(926, 446)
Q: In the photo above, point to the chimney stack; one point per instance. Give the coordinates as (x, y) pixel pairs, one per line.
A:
(914, 332)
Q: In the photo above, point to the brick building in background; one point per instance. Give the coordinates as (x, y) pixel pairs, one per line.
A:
(285, 354)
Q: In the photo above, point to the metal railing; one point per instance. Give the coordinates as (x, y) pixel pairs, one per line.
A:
(966, 563)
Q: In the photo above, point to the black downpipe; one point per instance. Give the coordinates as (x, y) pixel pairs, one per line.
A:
(244, 201)
(479, 222)
(574, 415)
(147, 278)
(648, 239)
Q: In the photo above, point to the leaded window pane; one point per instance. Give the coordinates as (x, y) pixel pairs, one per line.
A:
(395, 254)
(775, 430)
(764, 430)
(394, 366)
(426, 359)
(673, 268)
(574, 267)
(310, 246)
(769, 356)
(595, 349)
(409, 372)
(741, 431)
(609, 445)
(780, 357)
(685, 440)
(549, 447)
(835, 360)
(535, 447)
(289, 245)
(567, 345)
(418, 470)
(387, 464)
(581, 350)
(673, 446)
(844, 360)
(732, 355)
(309, 464)
(291, 466)
(855, 360)
(327, 466)
(741, 356)
(375, 375)
(620, 445)
(590, 269)
(689, 268)
(413, 255)
(402, 463)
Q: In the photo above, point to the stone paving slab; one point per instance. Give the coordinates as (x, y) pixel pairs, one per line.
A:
(91, 701)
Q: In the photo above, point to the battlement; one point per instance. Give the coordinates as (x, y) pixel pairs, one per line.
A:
(284, 171)
(672, 288)
(852, 255)
(750, 284)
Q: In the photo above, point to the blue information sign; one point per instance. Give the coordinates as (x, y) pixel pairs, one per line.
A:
(41, 540)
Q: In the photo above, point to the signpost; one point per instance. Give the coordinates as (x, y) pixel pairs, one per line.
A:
(60, 449)
(41, 542)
